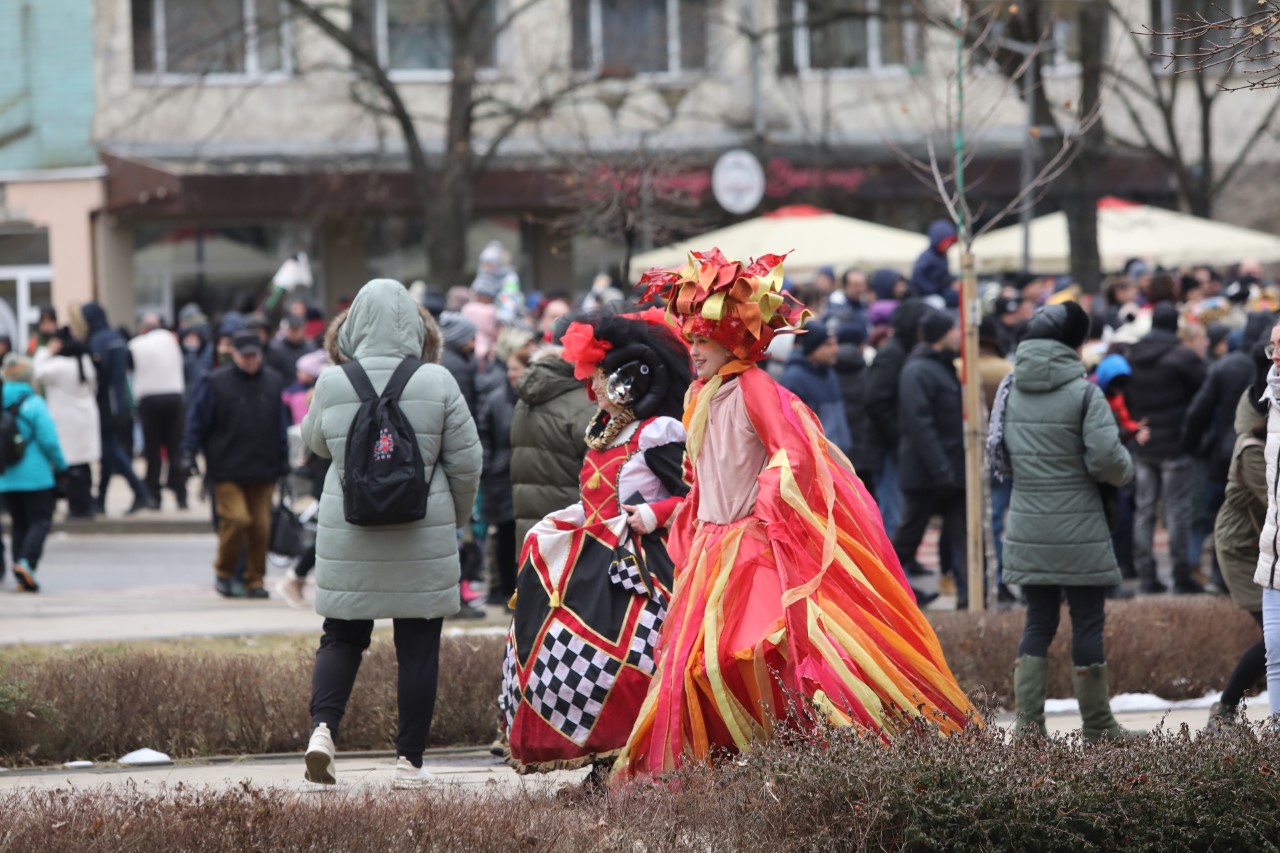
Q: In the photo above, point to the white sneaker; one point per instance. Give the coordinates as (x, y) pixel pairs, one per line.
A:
(320, 752)
(290, 589)
(408, 776)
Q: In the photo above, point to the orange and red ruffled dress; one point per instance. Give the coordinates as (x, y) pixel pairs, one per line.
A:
(786, 587)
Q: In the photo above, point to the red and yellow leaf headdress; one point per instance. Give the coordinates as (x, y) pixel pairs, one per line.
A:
(739, 307)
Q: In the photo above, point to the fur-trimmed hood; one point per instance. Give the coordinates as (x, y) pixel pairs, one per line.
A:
(381, 326)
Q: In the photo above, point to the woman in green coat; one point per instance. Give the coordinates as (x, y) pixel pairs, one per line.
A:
(1061, 441)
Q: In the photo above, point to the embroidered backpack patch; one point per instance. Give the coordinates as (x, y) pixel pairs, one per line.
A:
(384, 446)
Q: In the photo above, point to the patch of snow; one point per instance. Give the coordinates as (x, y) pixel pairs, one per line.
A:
(145, 756)
(77, 764)
(487, 631)
(1130, 703)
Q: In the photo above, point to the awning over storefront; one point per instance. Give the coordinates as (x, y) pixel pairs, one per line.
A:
(814, 237)
(1127, 230)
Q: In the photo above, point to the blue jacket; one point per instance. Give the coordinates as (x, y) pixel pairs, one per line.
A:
(43, 456)
(818, 387)
(931, 274)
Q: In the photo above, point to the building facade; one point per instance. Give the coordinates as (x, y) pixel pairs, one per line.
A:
(232, 133)
(50, 176)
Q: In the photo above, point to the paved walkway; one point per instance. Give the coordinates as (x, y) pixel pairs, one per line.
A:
(472, 769)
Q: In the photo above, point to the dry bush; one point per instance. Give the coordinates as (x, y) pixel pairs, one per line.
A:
(1179, 648)
(99, 706)
(821, 791)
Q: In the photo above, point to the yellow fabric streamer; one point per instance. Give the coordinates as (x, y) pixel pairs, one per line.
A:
(697, 412)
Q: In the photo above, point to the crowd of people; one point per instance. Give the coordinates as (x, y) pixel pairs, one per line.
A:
(727, 416)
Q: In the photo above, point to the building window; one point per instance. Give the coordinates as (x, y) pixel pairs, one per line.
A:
(623, 38)
(1060, 49)
(209, 38)
(826, 35)
(414, 37)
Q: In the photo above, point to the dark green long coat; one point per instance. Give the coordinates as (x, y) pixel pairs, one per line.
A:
(1057, 529)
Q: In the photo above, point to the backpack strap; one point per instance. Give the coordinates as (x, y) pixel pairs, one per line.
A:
(400, 377)
(359, 381)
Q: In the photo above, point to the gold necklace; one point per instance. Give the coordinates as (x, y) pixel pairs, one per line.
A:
(599, 437)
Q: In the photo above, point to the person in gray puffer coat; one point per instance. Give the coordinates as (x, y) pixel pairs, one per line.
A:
(1061, 440)
(547, 440)
(406, 572)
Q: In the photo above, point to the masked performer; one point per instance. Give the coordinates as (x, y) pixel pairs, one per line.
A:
(595, 580)
(786, 586)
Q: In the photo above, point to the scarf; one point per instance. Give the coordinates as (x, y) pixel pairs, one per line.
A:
(698, 405)
(997, 453)
(1273, 386)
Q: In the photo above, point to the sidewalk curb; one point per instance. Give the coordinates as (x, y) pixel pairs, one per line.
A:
(213, 760)
(137, 527)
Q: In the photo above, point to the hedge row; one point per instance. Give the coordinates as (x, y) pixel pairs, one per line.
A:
(101, 704)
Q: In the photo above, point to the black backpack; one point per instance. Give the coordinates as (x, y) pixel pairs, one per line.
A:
(12, 444)
(384, 481)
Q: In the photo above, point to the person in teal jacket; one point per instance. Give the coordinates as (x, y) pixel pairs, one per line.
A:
(28, 484)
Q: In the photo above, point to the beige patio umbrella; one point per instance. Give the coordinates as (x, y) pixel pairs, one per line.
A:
(815, 238)
(1127, 230)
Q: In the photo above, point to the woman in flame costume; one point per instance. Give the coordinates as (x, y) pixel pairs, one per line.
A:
(786, 584)
(595, 579)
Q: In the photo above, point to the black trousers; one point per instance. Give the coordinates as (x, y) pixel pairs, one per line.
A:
(505, 555)
(1087, 605)
(162, 417)
(418, 666)
(917, 509)
(32, 514)
(79, 491)
(1251, 669)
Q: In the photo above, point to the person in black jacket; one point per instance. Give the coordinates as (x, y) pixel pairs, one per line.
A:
(931, 450)
(1166, 377)
(1209, 430)
(882, 406)
(851, 371)
(810, 375)
(459, 355)
(229, 412)
(494, 425)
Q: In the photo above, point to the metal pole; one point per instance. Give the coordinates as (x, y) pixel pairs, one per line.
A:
(1028, 161)
(970, 317)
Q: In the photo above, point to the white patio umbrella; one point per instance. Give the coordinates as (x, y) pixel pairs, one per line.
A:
(815, 238)
(1127, 230)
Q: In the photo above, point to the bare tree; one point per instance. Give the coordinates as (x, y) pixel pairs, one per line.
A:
(982, 39)
(1220, 44)
(1227, 43)
(446, 192)
(640, 197)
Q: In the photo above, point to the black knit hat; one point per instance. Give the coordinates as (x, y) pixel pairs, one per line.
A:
(1067, 323)
(1165, 317)
(934, 326)
(815, 335)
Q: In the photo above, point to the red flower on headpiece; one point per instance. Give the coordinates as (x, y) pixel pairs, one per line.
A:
(583, 349)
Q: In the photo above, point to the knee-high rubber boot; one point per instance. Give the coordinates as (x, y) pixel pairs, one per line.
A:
(1093, 691)
(1029, 677)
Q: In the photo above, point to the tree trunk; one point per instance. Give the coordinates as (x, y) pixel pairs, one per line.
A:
(1079, 183)
(449, 205)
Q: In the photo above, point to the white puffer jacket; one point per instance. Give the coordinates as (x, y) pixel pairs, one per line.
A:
(1268, 573)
